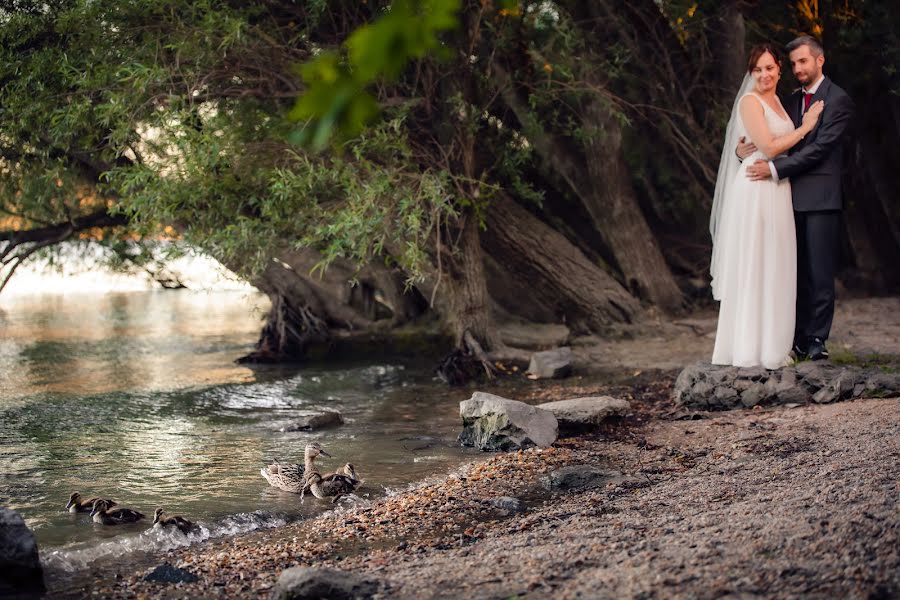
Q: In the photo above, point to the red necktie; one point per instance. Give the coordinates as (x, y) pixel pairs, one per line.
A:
(807, 98)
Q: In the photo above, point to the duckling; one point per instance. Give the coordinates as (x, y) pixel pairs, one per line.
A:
(76, 504)
(347, 470)
(291, 477)
(103, 515)
(334, 485)
(178, 521)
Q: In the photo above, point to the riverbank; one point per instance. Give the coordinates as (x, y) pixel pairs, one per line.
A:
(775, 502)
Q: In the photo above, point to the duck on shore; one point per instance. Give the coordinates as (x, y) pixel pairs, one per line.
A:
(104, 514)
(292, 477)
(164, 521)
(334, 485)
(77, 505)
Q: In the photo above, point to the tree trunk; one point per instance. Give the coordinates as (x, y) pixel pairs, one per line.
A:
(544, 273)
(308, 309)
(614, 208)
(600, 179)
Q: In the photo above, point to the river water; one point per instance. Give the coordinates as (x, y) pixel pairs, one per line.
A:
(136, 396)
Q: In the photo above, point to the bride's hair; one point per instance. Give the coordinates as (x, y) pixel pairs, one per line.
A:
(760, 49)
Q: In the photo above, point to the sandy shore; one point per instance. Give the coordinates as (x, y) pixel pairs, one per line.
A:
(770, 502)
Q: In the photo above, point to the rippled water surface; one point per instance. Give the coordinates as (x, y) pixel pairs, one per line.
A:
(136, 397)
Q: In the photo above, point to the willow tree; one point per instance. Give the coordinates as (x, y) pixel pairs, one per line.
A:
(371, 164)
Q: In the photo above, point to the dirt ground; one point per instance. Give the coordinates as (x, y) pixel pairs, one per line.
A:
(862, 326)
(771, 503)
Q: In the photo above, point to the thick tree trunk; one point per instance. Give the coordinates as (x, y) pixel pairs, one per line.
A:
(542, 273)
(467, 292)
(600, 179)
(307, 309)
(727, 34)
(611, 201)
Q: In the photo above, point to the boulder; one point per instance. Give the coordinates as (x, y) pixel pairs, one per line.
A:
(307, 583)
(585, 412)
(551, 364)
(580, 478)
(20, 567)
(318, 420)
(492, 423)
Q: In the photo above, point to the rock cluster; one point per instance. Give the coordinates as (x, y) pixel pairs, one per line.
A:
(713, 387)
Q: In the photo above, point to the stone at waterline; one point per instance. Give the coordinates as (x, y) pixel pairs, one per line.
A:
(551, 364)
(21, 574)
(586, 412)
(493, 423)
(580, 478)
(308, 583)
(313, 421)
(167, 573)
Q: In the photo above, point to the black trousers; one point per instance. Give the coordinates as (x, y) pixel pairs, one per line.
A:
(817, 244)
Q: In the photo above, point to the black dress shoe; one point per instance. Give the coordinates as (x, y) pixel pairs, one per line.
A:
(817, 350)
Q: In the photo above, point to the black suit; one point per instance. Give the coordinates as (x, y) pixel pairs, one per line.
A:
(814, 168)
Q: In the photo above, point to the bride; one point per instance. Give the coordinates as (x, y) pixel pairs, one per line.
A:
(754, 258)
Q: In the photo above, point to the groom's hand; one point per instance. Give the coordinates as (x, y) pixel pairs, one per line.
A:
(759, 170)
(744, 148)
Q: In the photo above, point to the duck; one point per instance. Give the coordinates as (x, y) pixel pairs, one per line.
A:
(103, 515)
(334, 485)
(177, 521)
(292, 477)
(77, 505)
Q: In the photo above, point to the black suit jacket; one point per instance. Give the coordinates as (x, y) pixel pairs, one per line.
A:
(814, 164)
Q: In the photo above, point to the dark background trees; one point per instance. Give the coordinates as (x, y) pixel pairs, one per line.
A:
(474, 161)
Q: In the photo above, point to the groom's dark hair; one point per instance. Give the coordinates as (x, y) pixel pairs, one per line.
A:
(806, 40)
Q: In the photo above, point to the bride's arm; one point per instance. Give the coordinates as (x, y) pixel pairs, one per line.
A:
(754, 118)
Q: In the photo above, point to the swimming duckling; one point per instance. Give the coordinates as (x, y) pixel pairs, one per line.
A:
(347, 470)
(292, 477)
(178, 521)
(76, 504)
(103, 515)
(334, 485)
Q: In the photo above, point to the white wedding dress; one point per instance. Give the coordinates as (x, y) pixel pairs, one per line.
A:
(757, 272)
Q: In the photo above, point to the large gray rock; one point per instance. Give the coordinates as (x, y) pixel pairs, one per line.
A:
(551, 364)
(307, 583)
(578, 413)
(492, 423)
(313, 421)
(714, 387)
(20, 567)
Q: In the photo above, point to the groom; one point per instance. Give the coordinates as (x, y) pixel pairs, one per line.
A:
(814, 168)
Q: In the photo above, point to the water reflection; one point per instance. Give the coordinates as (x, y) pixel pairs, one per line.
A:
(136, 397)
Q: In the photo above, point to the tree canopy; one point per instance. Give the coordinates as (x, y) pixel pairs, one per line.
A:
(395, 143)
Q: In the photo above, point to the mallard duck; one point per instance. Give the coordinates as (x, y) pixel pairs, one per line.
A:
(178, 521)
(103, 515)
(333, 485)
(76, 504)
(292, 477)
